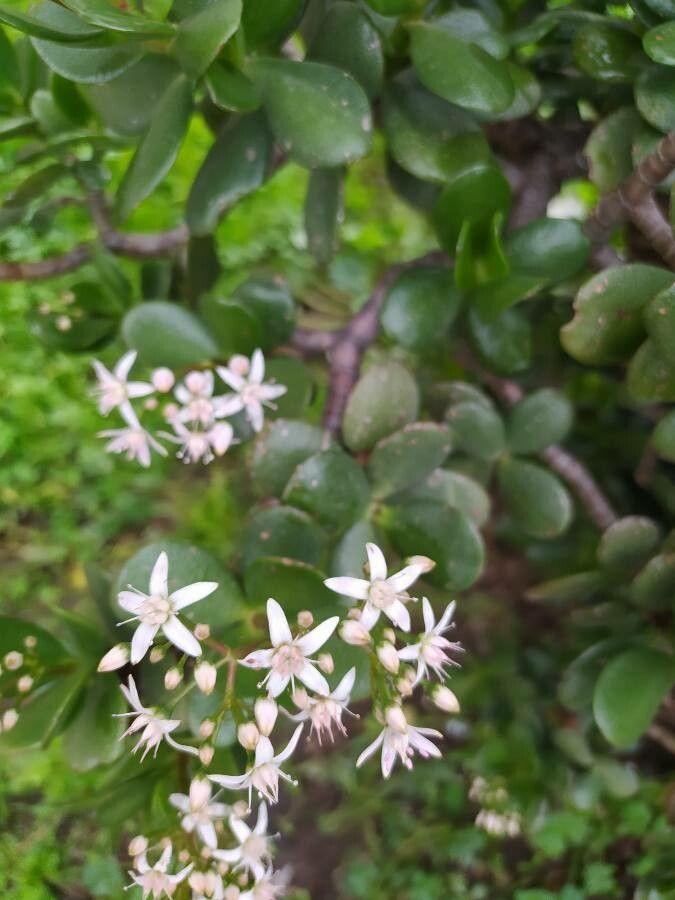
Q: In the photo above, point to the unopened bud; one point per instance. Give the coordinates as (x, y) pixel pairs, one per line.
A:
(13, 660)
(64, 323)
(172, 678)
(404, 687)
(301, 698)
(202, 631)
(354, 613)
(163, 380)
(206, 755)
(388, 656)
(395, 719)
(232, 892)
(30, 641)
(156, 654)
(206, 853)
(240, 809)
(326, 663)
(150, 403)
(353, 632)
(305, 618)
(205, 677)
(248, 735)
(24, 684)
(445, 699)
(170, 411)
(195, 382)
(115, 658)
(206, 729)
(220, 436)
(266, 711)
(184, 856)
(9, 719)
(239, 364)
(389, 635)
(138, 845)
(423, 562)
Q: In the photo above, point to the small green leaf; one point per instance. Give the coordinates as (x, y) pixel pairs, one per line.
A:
(45, 713)
(660, 322)
(347, 40)
(535, 498)
(477, 429)
(106, 15)
(93, 737)
(551, 249)
(234, 328)
(408, 456)
(159, 147)
(503, 341)
(628, 693)
(609, 148)
(278, 450)
(628, 543)
(654, 585)
(473, 196)
(460, 72)
(420, 308)
(320, 115)
(230, 89)
(282, 531)
(456, 491)
(607, 325)
(200, 36)
(266, 24)
(655, 96)
(659, 43)
(349, 554)
(299, 383)
(330, 486)
(324, 212)
(165, 334)
(384, 399)
(472, 26)
(296, 585)
(445, 535)
(580, 586)
(271, 303)
(539, 420)
(608, 51)
(663, 438)
(650, 377)
(234, 167)
(51, 25)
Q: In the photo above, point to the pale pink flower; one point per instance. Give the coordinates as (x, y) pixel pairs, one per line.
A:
(325, 712)
(133, 440)
(155, 880)
(398, 738)
(199, 811)
(429, 651)
(155, 727)
(251, 393)
(253, 853)
(113, 389)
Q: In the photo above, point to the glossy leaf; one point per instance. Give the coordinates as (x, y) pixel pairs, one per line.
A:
(503, 341)
(539, 420)
(420, 307)
(650, 377)
(539, 504)
(108, 16)
(660, 323)
(200, 36)
(655, 97)
(659, 43)
(93, 737)
(408, 456)
(608, 51)
(384, 399)
(282, 531)
(609, 148)
(165, 334)
(230, 89)
(294, 584)
(654, 585)
(552, 249)
(324, 212)
(330, 486)
(47, 648)
(629, 542)
(51, 25)
(265, 24)
(473, 195)
(476, 429)
(456, 491)
(45, 713)
(278, 450)
(347, 40)
(663, 438)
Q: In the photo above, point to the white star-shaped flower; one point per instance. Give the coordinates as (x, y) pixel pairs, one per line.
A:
(273, 884)
(201, 444)
(325, 712)
(198, 405)
(251, 393)
(156, 727)
(206, 886)
(429, 651)
(199, 812)
(113, 389)
(157, 610)
(133, 440)
(398, 738)
(264, 774)
(155, 880)
(253, 853)
(382, 594)
(287, 658)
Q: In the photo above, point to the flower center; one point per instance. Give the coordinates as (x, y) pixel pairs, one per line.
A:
(381, 594)
(288, 660)
(251, 393)
(156, 610)
(255, 847)
(200, 410)
(116, 392)
(265, 779)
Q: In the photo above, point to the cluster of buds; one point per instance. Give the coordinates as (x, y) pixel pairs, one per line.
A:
(403, 668)
(19, 671)
(196, 415)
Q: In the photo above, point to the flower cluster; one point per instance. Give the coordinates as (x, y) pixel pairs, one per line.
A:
(196, 415)
(19, 672)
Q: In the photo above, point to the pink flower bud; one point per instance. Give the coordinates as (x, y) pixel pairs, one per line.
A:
(206, 729)
(266, 711)
(305, 619)
(202, 632)
(395, 719)
(353, 632)
(301, 698)
(30, 641)
(163, 380)
(445, 699)
(239, 364)
(388, 656)
(172, 679)
(248, 735)
(205, 677)
(24, 684)
(13, 660)
(206, 755)
(156, 654)
(424, 562)
(9, 719)
(115, 658)
(195, 382)
(326, 663)
(138, 845)
(220, 437)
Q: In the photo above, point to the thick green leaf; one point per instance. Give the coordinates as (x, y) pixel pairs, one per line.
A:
(650, 378)
(296, 585)
(187, 564)
(278, 450)
(654, 585)
(474, 27)
(282, 531)
(578, 680)
(52, 25)
(417, 193)
(460, 72)
(456, 491)
(87, 64)
(663, 438)
(159, 147)
(384, 399)
(476, 429)
(527, 97)
(93, 737)
(47, 649)
(234, 166)
(45, 712)
(539, 420)
(266, 24)
(408, 456)
(270, 302)
(349, 555)
(608, 51)
(659, 43)
(420, 307)
(629, 542)
(503, 341)
(331, 486)
(347, 40)
(324, 212)
(607, 325)
(660, 323)
(319, 114)
(535, 498)
(580, 586)
(299, 383)
(655, 97)
(203, 268)
(108, 16)
(446, 535)
(230, 89)
(628, 693)
(609, 148)
(473, 195)
(165, 334)
(552, 249)
(234, 328)
(126, 104)
(201, 35)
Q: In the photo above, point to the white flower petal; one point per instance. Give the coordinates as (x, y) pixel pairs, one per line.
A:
(262, 821)
(446, 618)
(280, 633)
(181, 637)
(239, 829)
(180, 801)
(192, 593)
(129, 601)
(344, 688)
(411, 652)
(317, 637)
(232, 782)
(159, 575)
(272, 391)
(349, 587)
(124, 365)
(276, 683)
(141, 641)
(229, 405)
(207, 832)
(290, 746)
(369, 616)
(258, 659)
(163, 862)
(313, 679)
(139, 389)
(376, 562)
(427, 614)
(231, 379)
(388, 759)
(370, 750)
(228, 856)
(399, 615)
(257, 370)
(255, 415)
(402, 580)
